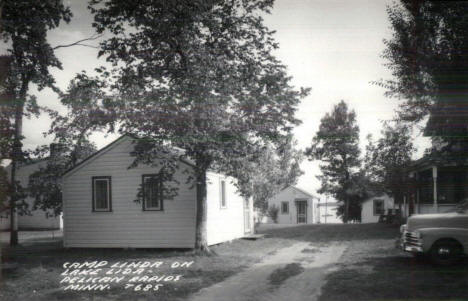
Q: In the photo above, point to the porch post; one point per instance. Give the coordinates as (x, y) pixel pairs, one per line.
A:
(434, 177)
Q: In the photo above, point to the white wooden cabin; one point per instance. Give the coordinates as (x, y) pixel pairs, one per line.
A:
(296, 206)
(38, 219)
(100, 211)
(373, 207)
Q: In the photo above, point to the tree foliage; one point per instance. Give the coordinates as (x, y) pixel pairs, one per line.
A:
(387, 158)
(336, 145)
(272, 212)
(276, 168)
(6, 121)
(196, 75)
(45, 183)
(4, 190)
(427, 57)
(24, 25)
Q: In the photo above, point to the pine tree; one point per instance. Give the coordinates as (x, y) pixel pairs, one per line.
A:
(336, 144)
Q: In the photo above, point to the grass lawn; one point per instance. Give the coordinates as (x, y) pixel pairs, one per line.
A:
(372, 269)
(32, 271)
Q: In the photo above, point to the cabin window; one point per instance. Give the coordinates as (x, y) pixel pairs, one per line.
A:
(284, 207)
(379, 207)
(152, 192)
(223, 194)
(102, 199)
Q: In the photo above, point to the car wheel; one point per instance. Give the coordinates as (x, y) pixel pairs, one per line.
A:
(446, 252)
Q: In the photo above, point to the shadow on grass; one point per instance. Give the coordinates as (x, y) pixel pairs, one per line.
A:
(335, 232)
(397, 278)
(193, 281)
(54, 253)
(282, 274)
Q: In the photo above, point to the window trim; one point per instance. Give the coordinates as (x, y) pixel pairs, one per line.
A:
(161, 201)
(287, 207)
(374, 207)
(222, 192)
(109, 193)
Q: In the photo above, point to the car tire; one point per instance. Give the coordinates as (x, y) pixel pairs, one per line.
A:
(419, 256)
(446, 252)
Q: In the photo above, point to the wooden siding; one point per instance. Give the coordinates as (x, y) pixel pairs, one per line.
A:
(224, 224)
(290, 195)
(127, 225)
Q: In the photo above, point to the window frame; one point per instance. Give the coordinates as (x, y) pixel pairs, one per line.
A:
(222, 196)
(287, 208)
(109, 193)
(374, 207)
(160, 193)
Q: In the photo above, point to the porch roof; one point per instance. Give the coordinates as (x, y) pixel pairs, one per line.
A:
(437, 160)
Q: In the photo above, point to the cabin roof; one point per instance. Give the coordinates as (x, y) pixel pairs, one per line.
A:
(112, 144)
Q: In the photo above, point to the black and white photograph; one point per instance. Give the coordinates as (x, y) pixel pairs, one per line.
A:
(234, 150)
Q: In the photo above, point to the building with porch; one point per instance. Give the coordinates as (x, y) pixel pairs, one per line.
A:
(436, 184)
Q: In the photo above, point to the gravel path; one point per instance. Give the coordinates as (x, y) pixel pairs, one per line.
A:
(253, 283)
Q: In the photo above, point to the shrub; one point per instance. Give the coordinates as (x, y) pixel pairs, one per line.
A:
(273, 213)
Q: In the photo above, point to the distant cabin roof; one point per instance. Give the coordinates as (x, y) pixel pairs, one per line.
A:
(300, 190)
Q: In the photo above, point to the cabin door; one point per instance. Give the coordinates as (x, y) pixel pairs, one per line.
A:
(247, 225)
(301, 208)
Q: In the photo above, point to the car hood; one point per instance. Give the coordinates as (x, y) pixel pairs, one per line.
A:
(439, 220)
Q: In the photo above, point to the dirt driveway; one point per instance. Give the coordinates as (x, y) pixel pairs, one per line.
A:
(293, 273)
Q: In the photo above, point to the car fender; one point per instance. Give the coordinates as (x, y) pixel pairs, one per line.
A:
(431, 235)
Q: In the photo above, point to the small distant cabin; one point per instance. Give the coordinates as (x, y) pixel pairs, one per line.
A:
(374, 207)
(100, 210)
(295, 205)
(38, 219)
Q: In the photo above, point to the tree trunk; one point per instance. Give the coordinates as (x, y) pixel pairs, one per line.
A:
(201, 243)
(13, 213)
(17, 153)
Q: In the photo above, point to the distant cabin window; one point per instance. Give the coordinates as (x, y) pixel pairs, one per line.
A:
(284, 207)
(152, 192)
(102, 194)
(223, 194)
(379, 207)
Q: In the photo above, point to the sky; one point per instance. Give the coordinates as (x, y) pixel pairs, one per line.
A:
(333, 47)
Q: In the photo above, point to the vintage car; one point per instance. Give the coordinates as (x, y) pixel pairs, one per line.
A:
(442, 236)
